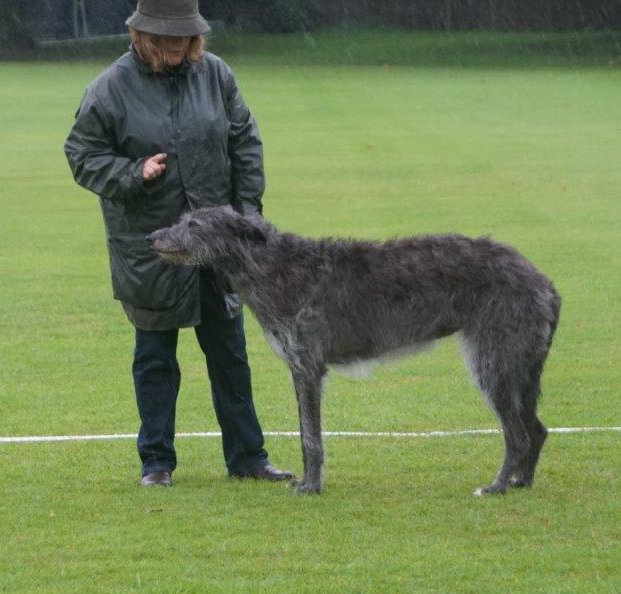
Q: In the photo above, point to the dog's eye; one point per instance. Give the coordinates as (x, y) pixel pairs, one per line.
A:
(193, 223)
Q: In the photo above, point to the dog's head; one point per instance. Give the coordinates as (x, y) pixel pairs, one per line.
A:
(208, 237)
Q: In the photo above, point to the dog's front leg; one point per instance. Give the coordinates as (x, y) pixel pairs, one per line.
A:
(308, 392)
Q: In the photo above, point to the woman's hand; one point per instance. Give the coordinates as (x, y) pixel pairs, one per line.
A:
(153, 167)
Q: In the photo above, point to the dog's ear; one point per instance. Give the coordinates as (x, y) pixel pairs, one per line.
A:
(246, 228)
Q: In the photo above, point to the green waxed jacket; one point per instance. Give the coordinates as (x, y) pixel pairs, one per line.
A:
(197, 116)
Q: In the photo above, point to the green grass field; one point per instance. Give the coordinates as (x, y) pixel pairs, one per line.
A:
(529, 156)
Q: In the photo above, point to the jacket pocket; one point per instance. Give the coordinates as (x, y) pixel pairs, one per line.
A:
(232, 304)
(143, 279)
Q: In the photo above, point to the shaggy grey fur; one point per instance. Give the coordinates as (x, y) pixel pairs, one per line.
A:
(333, 302)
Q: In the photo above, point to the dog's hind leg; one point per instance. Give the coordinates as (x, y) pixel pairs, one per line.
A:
(308, 385)
(538, 433)
(498, 373)
(518, 444)
(525, 474)
(513, 396)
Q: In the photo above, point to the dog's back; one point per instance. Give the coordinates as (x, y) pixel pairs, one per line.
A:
(378, 297)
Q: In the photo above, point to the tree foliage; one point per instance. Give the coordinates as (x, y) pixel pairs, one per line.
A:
(516, 15)
(22, 22)
(15, 23)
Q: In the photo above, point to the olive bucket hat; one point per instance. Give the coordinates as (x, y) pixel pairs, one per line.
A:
(177, 18)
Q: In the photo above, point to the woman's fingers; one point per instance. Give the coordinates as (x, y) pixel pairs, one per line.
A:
(159, 158)
(153, 166)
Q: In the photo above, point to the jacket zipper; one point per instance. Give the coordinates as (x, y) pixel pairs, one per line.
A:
(174, 86)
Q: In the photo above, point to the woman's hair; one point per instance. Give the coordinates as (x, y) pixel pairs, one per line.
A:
(148, 49)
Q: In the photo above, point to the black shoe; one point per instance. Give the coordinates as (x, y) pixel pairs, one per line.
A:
(266, 473)
(161, 478)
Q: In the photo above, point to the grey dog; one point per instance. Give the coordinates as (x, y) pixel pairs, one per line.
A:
(325, 302)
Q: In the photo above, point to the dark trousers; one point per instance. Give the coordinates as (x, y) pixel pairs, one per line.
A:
(157, 379)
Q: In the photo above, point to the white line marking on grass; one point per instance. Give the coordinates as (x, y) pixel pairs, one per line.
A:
(406, 434)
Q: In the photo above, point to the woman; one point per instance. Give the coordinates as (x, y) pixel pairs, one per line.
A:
(162, 131)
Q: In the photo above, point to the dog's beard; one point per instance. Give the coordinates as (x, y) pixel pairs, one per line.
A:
(203, 258)
(178, 257)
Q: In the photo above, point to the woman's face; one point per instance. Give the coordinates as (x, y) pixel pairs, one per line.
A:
(173, 48)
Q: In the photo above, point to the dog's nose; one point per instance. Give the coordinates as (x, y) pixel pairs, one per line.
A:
(151, 237)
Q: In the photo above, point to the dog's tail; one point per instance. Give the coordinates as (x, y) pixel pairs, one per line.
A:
(555, 304)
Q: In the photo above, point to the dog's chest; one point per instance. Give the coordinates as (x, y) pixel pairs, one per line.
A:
(275, 344)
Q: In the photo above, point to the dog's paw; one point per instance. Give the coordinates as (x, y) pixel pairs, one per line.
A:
(304, 488)
(491, 490)
(519, 483)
